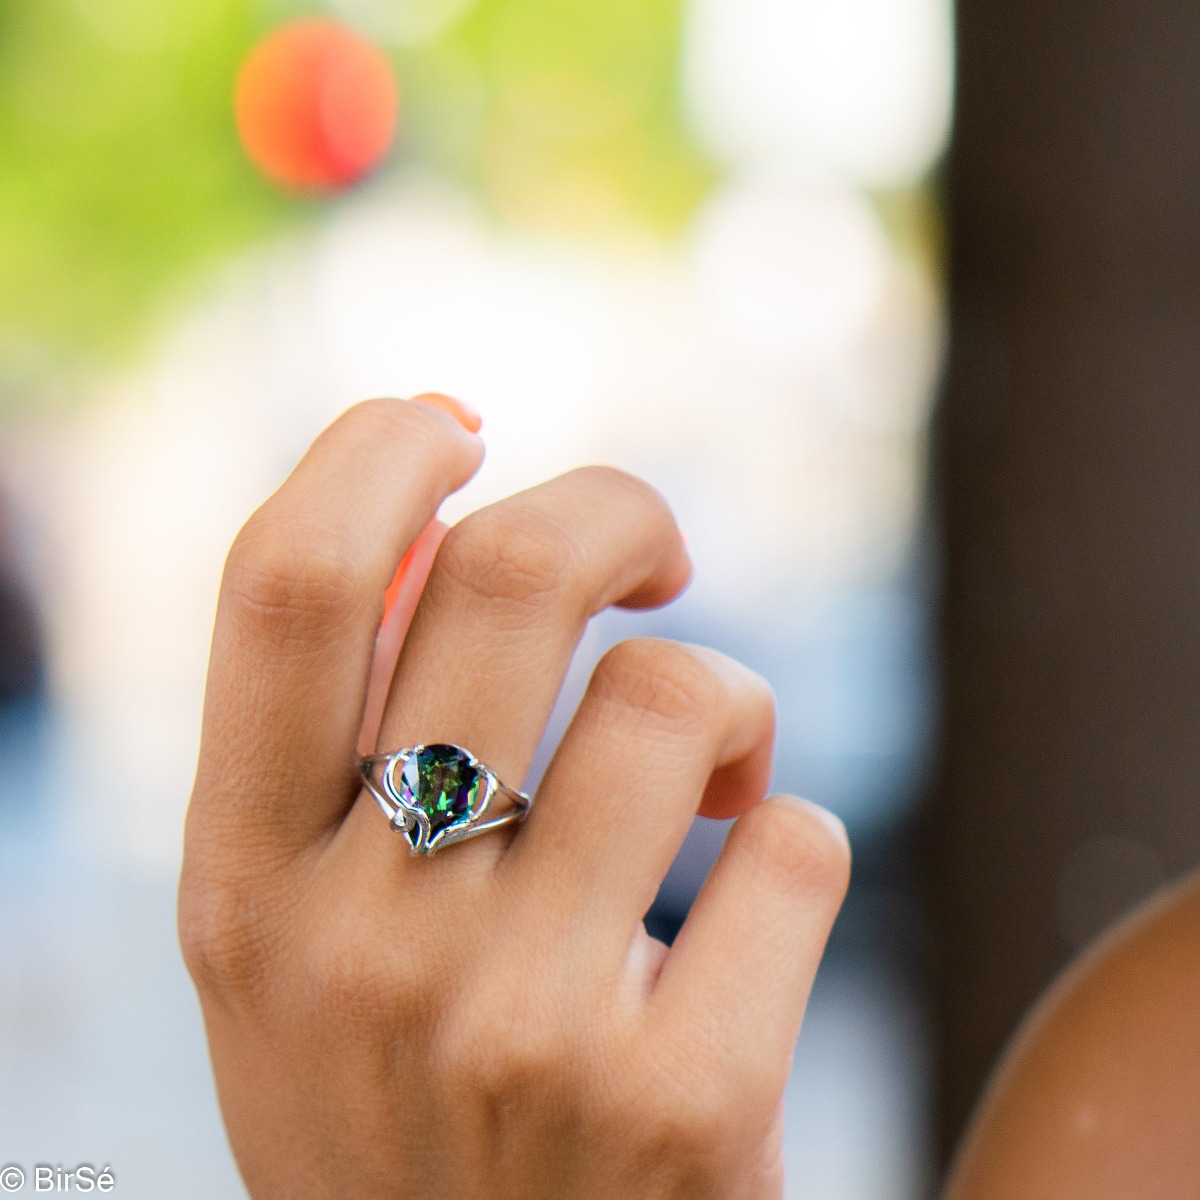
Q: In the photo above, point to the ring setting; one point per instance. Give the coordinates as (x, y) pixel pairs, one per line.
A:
(437, 795)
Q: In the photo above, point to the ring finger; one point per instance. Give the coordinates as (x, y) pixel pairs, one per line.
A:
(510, 592)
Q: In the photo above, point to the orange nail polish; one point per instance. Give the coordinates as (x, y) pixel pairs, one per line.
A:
(393, 589)
(462, 412)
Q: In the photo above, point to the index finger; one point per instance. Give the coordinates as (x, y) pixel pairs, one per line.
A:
(301, 600)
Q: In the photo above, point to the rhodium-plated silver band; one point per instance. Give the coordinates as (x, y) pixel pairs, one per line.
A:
(409, 818)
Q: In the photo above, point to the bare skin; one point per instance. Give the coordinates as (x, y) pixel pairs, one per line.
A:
(1099, 1096)
(491, 1021)
(495, 1021)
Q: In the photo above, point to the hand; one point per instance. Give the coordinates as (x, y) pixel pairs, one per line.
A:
(490, 1021)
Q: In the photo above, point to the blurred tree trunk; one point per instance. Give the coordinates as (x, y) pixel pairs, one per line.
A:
(1068, 471)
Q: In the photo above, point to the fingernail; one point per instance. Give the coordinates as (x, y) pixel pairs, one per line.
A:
(462, 412)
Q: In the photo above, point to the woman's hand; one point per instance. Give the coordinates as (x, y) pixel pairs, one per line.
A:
(493, 1020)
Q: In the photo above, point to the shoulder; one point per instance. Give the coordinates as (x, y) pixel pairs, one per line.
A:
(1099, 1094)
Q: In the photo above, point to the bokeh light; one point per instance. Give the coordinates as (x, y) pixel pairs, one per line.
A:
(860, 89)
(316, 105)
(793, 272)
(404, 22)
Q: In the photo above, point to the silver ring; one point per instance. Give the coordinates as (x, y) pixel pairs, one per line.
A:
(439, 794)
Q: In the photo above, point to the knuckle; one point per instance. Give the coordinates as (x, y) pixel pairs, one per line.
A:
(793, 845)
(621, 483)
(661, 681)
(697, 1109)
(416, 429)
(285, 584)
(511, 554)
(346, 979)
(675, 1122)
(225, 948)
(505, 1060)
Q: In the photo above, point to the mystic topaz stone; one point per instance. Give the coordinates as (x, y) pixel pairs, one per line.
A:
(442, 783)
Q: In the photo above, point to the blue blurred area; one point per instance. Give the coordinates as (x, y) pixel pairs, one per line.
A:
(24, 780)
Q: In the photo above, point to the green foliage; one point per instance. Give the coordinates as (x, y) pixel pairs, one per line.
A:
(583, 95)
(121, 176)
(119, 163)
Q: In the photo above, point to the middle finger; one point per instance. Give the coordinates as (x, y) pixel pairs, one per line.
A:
(510, 593)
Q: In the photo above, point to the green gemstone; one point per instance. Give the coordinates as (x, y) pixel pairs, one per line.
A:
(443, 784)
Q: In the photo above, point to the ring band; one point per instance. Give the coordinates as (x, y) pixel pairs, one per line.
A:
(438, 795)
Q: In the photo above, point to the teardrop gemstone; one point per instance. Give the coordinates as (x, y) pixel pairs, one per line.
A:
(443, 784)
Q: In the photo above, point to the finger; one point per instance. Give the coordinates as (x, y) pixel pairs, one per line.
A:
(399, 605)
(460, 410)
(300, 603)
(662, 730)
(400, 600)
(736, 982)
(507, 600)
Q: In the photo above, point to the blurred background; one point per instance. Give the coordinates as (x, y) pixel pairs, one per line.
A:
(694, 238)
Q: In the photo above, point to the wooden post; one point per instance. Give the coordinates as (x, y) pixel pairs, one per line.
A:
(1067, 450)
